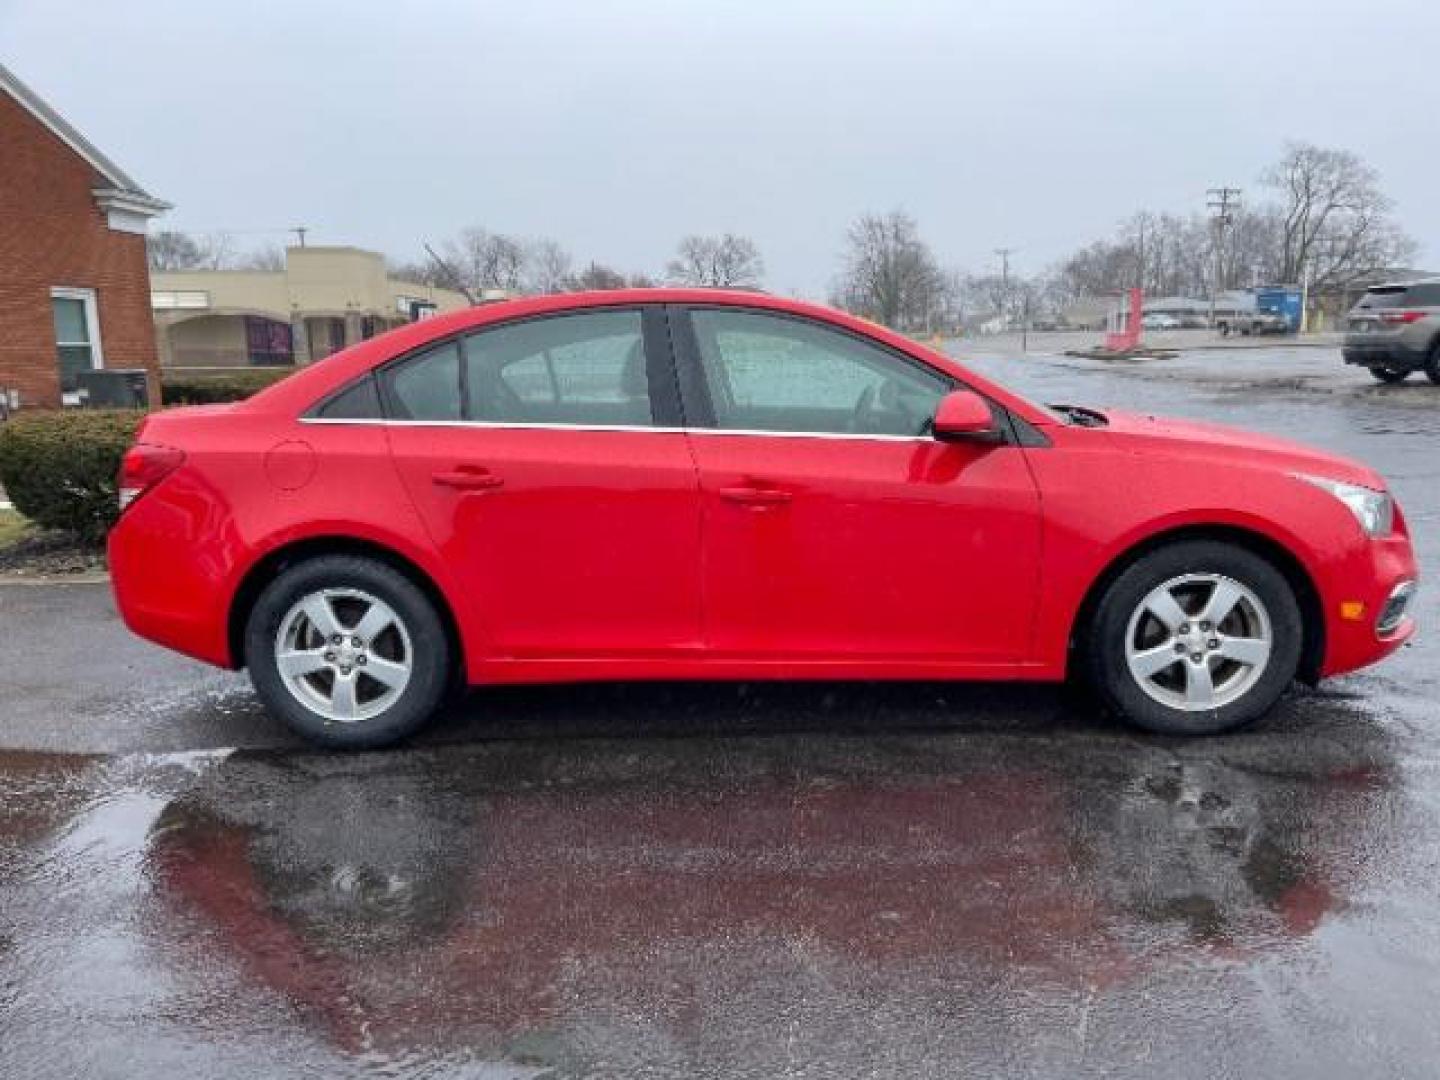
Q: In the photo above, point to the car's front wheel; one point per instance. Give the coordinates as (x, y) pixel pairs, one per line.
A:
(348, 651)
(1195, 638)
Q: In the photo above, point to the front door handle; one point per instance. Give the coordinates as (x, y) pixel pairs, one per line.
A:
(468, 478)
(755, 496)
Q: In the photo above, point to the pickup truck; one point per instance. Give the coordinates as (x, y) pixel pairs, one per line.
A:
(1252, 322)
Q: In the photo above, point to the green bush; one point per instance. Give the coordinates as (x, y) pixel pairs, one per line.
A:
(210, 388)
(59, 468)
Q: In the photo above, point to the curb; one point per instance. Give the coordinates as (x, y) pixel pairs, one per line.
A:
(54, 579)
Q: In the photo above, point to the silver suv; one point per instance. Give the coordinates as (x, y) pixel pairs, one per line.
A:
(1395, 329)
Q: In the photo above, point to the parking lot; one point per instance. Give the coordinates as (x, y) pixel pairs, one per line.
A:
(738, 880)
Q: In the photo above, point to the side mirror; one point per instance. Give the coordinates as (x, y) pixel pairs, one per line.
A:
(964, 414)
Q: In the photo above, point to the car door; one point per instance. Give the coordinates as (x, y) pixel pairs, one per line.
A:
(835, 527)
(546, 461)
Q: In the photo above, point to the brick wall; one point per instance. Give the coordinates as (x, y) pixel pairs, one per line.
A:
(52, 233)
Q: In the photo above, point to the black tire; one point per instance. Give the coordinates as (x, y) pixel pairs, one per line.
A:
(429, 651)
(1432, 363)
(1391, 376)
(1103, 654)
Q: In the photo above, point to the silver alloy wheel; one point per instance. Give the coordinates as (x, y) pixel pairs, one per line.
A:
(344, 654)
(1198, 642)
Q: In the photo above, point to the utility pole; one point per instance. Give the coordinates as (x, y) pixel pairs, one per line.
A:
(1222, 202)
(1005, 254)
(300, 231)
(1140, 257)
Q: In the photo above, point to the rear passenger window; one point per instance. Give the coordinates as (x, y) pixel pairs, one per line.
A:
(583, 369)
(359, 401)
(426, 387)
(1423, 296)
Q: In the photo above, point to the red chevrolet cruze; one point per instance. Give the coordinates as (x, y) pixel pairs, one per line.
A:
(721, 485)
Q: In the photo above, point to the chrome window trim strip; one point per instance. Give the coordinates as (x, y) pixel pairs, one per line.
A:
(635, 428)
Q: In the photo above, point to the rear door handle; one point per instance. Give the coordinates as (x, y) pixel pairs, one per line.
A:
(468, 478)
(755, 496)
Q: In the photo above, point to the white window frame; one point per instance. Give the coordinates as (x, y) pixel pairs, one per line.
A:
(91, 304)
(92, 321)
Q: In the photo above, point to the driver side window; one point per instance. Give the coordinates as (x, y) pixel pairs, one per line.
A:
(773, 373)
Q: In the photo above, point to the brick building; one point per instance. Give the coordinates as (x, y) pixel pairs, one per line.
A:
(74, 286)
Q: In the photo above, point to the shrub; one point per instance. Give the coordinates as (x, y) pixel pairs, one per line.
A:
(210, 388)
(59, 468)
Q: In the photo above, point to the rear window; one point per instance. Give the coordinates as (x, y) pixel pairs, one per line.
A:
(1423, 295)
(1398, 296)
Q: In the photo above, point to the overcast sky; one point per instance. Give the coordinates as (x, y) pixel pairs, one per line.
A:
(617, 127)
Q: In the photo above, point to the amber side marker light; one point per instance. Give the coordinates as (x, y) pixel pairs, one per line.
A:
(1352, 610)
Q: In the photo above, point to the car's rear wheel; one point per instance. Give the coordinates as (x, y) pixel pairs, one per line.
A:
(1195, 638)
(347, 651)
(1432, 363)
(1390, 375)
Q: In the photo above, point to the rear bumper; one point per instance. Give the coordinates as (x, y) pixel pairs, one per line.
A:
(163, 590)
(1387, 354)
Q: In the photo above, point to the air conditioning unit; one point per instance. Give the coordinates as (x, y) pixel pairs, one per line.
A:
(111, 388)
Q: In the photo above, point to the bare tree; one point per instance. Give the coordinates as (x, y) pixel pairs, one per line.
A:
(546, 266)
(420, 273)
(596, 276)
(890, 274)
(271, 258)
(1335, 222)
(484, 260)
(716, 261)
(170, 249)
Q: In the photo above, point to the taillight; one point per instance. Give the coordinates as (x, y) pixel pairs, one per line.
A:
(143, 466)
(1401, 316)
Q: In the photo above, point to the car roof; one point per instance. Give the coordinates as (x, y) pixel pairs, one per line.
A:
(1393, 286)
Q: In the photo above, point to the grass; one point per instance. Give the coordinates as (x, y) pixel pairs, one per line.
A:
(13, 528)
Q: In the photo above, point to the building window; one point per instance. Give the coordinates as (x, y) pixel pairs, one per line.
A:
(179, 300)
(77, 334)
(268, 342)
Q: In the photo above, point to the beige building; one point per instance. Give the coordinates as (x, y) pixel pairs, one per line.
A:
(325, 299)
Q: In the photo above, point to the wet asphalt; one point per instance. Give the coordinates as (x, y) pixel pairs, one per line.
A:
(759, 880)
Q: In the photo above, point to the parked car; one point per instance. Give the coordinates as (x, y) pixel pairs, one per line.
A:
(1252, 323)
(699, 484)
(1395, 329)
(1159, 320)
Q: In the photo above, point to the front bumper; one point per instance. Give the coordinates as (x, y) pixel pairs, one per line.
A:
(1362, 622)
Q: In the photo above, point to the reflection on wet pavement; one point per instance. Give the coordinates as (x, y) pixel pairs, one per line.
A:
(820, 881)
(710, 905)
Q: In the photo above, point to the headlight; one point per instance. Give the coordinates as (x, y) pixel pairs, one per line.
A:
(1374, 510)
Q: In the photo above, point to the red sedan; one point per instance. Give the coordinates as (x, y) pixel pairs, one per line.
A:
(724, 485)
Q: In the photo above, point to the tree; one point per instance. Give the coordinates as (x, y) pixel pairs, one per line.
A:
(271, 258)
(1335, 222)
(716, 261)
(170, 249)
(479, 260)
(546, 266)
(596, 276)
(890, 274)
